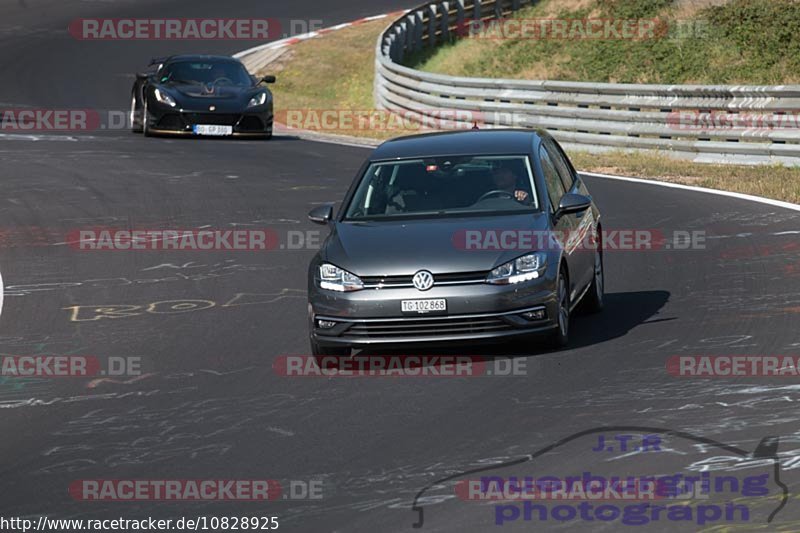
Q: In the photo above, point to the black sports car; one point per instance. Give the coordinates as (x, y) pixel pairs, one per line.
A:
(201, 95)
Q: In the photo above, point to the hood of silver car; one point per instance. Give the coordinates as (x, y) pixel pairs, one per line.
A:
(403, 247)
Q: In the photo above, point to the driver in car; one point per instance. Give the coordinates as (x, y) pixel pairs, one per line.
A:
(218, 73)
(505, 180)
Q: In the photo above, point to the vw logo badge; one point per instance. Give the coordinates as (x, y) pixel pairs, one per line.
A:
(422, 280)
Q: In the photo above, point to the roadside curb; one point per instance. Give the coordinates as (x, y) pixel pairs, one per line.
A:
(244, 55)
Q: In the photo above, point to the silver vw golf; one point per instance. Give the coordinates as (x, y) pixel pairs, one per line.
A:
(456, 238)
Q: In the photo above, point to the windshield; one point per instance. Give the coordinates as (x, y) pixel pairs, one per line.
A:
(206, 72)
(443, 186)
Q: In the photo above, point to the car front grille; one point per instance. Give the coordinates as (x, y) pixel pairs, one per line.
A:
(459, 278)
(214, 119)
(428, 327)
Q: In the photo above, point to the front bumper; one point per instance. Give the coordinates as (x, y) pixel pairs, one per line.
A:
(181, 122)
(475, 312)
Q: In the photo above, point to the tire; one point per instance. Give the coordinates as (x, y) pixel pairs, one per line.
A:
(593, 301)
(136, 122)
(145, 121)
(560, 337)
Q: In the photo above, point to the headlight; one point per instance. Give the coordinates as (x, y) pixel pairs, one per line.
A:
(164, 98)
(527, 267)
(259, 99)
(334, 278)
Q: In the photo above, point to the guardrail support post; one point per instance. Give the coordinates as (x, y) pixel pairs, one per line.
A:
(432, 8)
(411, 32)
(444, 21)
(418, 31)
(476, 9)
(498, 9)
(397, 46)
(460, 14)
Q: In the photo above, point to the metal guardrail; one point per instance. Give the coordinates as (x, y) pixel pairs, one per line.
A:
(686, 121)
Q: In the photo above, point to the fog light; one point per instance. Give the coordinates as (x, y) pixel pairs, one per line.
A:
(536, 314)
(325, 324)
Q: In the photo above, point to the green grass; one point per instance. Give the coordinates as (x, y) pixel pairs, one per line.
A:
(739, 42)
(331, 73)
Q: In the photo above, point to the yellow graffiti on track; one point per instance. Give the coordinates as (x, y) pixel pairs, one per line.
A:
(90, 313)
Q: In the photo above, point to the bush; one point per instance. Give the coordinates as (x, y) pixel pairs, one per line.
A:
(632, 9)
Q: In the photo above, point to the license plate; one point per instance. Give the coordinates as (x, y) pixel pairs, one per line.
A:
(212, 129)
(423, 306)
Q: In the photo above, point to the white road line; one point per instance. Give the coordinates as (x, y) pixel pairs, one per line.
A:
(729, 194)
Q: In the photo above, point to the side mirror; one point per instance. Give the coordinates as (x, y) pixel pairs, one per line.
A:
(268, 79)
(322, 214)
(572, 203)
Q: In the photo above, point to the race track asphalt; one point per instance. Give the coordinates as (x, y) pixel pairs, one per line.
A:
(210, 405)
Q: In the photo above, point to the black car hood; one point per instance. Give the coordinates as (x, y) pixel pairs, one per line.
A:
(198, 97)
(210, 91)
(405, 246)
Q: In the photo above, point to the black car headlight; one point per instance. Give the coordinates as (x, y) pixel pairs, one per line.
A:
(525, 268)
(257, 100)
(164, 98)
(334, 278)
